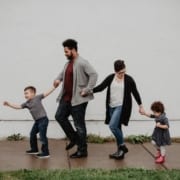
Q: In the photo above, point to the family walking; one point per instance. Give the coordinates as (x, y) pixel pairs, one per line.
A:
(78, 79)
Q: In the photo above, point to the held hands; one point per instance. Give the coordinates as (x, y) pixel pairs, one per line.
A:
(56, 83)
(5, 103)
(141, 110)
(83, 93)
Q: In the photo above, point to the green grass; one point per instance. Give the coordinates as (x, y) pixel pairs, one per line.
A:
(91, 174)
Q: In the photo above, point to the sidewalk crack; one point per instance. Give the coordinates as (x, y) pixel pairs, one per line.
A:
(164, 166)
(68, 159)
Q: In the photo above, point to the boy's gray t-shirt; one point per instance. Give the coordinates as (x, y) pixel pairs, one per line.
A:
(35, 107)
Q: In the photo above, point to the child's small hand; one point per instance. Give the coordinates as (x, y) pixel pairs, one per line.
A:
(158, 124)
(142, 112)
(6, 103)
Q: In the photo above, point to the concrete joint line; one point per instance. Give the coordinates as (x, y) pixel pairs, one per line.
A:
(68, 158)
(146, 149)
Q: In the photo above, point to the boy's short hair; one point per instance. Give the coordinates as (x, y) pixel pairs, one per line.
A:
(119, 65)
(31, 88)
(71, 44)
(157, 106)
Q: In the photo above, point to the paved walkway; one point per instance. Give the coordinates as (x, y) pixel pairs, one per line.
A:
(13, 157)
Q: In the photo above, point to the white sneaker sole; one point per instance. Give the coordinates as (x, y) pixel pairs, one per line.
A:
(34, 153)
(43, 157)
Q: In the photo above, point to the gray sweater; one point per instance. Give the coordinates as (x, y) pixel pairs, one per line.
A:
(84, 77)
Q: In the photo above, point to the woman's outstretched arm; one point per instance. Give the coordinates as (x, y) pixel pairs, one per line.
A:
(103, 85)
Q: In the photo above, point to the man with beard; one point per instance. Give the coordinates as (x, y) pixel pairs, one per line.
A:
(78, 79)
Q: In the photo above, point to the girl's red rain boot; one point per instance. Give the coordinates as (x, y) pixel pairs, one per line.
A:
(158, 154)
(160, 160)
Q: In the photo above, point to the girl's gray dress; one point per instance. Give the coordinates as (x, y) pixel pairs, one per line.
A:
(161, 136)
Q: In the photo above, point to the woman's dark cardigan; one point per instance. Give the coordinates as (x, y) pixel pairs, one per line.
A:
(129, 88)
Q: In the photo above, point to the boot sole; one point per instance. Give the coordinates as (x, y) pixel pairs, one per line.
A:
(119, 158)
(116, 157)
(35, 153)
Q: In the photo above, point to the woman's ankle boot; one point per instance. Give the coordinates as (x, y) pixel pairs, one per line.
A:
(120, 153)
(124, 148)
(114, 155)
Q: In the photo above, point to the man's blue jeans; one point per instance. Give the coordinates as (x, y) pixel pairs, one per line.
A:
(114, 125)
(40, 126)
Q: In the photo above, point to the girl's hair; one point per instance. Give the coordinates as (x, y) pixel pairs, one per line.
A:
(157, 106)
(119, 65)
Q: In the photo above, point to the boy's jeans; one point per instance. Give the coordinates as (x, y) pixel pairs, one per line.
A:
(40, 126)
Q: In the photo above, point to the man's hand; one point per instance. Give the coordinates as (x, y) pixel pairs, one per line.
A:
(56, 83)
(83, 93)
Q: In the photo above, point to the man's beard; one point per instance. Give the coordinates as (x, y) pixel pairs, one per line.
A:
(70, 58)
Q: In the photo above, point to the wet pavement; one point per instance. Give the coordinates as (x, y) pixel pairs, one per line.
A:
(13, 157)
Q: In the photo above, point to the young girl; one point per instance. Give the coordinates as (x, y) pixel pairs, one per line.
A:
(161, 135)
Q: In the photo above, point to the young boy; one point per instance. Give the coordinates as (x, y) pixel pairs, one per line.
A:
(38, 113)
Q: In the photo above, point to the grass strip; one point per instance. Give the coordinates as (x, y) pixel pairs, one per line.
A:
(92, 174)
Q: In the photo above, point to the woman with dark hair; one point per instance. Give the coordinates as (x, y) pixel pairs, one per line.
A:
(120, 87)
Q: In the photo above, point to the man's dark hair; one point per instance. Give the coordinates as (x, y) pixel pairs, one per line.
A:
(71, 44)
(157, 107)
(119, 65)
(33, 89)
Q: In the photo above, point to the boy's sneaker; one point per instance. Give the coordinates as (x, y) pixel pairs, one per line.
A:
(31, 152)
(42, 156)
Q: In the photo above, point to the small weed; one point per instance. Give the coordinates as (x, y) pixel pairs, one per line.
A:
(92, 138)
(15, 137)
(138, 139)
(175, 139)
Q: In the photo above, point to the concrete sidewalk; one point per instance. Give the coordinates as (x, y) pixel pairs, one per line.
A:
(13, 157)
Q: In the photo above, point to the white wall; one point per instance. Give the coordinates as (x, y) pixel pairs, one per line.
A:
(145, 33)
(93, 127)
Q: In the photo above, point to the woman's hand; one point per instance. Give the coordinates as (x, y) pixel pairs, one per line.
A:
(83, 93)
(141, 110)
